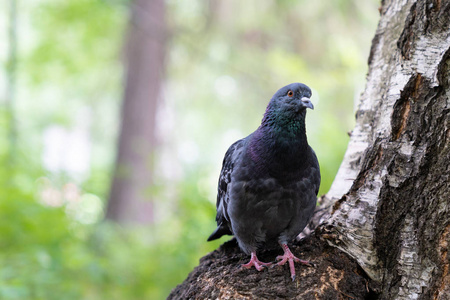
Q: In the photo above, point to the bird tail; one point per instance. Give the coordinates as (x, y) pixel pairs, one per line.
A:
(219, 232)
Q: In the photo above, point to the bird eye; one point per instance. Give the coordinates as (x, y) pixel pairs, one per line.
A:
(290, 93)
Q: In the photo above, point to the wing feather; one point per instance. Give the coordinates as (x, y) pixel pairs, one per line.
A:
(223, 222)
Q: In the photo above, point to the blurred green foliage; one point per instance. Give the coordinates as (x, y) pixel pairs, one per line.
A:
(225, 60)
(47, 254)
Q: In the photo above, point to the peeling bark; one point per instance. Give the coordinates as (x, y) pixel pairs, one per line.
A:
(388, 209)
(394, 215)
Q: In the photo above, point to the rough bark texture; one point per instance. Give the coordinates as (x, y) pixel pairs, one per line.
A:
(219, 276)
(129, 200)
(388, 209)
(394, 218)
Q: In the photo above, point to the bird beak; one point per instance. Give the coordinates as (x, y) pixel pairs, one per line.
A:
(307, 103)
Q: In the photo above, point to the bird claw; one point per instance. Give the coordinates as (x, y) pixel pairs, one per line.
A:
(291, 258)
(255, 262)
(284, 258)
(295, 259)
(308, 263)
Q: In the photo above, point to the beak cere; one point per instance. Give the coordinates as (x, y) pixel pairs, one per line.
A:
(307, 102)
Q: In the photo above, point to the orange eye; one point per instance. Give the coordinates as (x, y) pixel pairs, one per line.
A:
(290, 93)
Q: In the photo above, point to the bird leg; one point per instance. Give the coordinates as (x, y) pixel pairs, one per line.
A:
(289, 257)
(254, 261)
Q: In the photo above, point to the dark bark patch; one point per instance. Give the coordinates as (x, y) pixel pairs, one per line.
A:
(402, 106)
(371, 159)
(437, 4)
(220, 276)
(408, 34)
(444, 244)
(444, 70)
(437, 14)
(338, 203)
(375, 42)
(401, 112)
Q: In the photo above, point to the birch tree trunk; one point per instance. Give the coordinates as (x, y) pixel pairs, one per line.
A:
(386, 232)
(393, 216)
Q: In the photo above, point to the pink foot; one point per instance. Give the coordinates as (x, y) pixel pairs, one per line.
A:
(255, 262)
(289, 257)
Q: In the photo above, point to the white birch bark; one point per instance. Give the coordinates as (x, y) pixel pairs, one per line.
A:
(391, 196)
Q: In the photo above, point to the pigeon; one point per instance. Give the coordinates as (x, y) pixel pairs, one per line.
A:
(269, 181)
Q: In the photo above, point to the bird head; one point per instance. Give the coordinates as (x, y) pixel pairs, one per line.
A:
(288, 104)
(293, 97)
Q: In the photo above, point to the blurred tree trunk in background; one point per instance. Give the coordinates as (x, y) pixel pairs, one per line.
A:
(11, 69)
(388, 215)
(130, 198)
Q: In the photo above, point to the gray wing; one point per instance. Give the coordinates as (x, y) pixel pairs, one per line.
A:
(222, 218)
(315, 180)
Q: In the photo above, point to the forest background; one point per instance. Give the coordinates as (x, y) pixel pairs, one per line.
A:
(61, 91)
